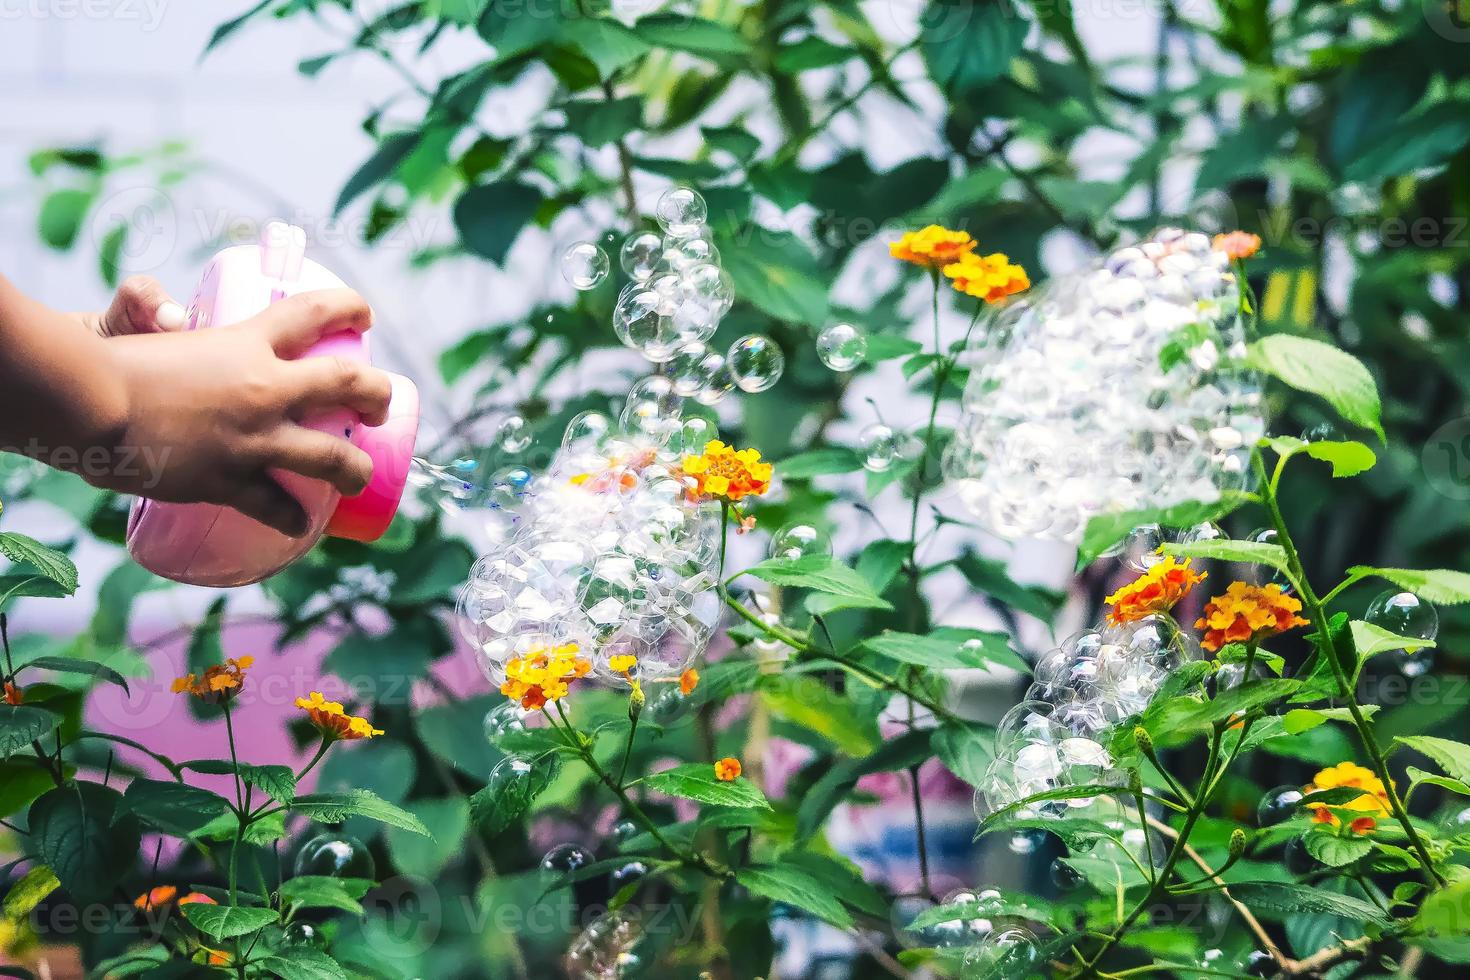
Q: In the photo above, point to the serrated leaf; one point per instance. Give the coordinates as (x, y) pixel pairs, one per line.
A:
(821, 573)
(48, 561)
(303, 963)
(227, 921)
(1438, 585)
(948, 650)
(1417, 776)
(1227, 549)
(174, 808)
(797, 887)
(86, 835)
(512, 787)
(1451, 756)
(697, 781)
(819, 462)
(323, 892)
(336, 807)
(20, 725)
(1288, 898)
(1321, 369)
(1336, 850)
(1370, 639)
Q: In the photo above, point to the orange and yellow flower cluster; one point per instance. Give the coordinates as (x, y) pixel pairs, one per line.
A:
(1373, 802)
(1157, 590)
(161, 895)
(1248, 613)
(334, 722)
(221, 680)
(544, 674)
(727, 769)
(1239, 245)
(722, 471)
(990, 277)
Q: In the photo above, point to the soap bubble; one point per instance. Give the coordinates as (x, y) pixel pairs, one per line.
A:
(628, 873)
(800, 540)
(565, 860)
(696, 434)
(624, 831)
(504, 720)
(585, 432)
(720, 381)
(640, 254)
(879, 447)
(514, 435)
(1206, 531)
(681, 211)
(642, 320)
(584, 265)
(689, 367)
(1007, 952)
(1404, 614)
(1415, 663)
(756, 362)
(1279, 805)
(335, 856)
(1142, 547)
(1064, 876)
(303, 934)
(842, 347)
(606, 949)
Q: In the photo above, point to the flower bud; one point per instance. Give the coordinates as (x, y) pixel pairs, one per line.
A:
(1144, 740)
(1237, 843)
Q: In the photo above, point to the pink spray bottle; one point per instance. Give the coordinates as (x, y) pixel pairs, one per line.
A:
(207, 544)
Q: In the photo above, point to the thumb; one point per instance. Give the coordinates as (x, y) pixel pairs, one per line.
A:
(142, 305)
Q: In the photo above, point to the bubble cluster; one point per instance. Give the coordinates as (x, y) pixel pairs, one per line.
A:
(606, 949)
(677, 295)
(1120, 388)
(1057, 736)
(607, 550)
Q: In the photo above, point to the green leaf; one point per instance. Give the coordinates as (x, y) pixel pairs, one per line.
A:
(692, 34)
(821, 573)
(945, 650)
(1106, 530)
(48, 561)
(1438, 585)
(229, 27)
(597, 122)
(324, 892)
(1451, 756)
(992, 578)
(1084, 791)
(85, 834)
(62, 213)
(277, 782)
(20, 784)
(907, 750)
(819, 462)
(227, 921)
(109, 254)
(1334, 850)
(796, 887)
(1443, 911)
(809, 53)
(606, 43)
(336, 807)
(697, 781)
(778, 274)
(1348, 458)
(20, 586)
(447, 819)
(994, 906)
(1417, 776)
(1370, 639)
(1319, 368)
(1423, 139)
(71, 665)
(1288, 898)
(887, 346)
(490, 216)
(20, 725)
(965, 751)
(27, 893)
(174, 808)
(385, 160)
(807, 702)
(508, 794)
(1226, 549)
(303, 963)
(968, 44)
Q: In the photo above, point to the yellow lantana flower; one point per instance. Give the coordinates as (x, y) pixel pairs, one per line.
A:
(1248, 613)
(722, 471)
(1157, 590)
(990, 277)
(1373, 802)
(543, 674)
(334, 722)
(932, 247)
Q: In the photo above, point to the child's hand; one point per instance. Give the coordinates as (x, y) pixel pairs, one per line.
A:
(141, 305)
(208, 412)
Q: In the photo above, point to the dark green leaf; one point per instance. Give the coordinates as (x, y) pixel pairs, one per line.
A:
(385, 160)
(174, 808)
(490, 216)
(85, 834)
(796, 887)
(970, 43)
(48, 561)
(508, 794)
(336, 807)
(71, 665)
(697, 781)
(227, 921)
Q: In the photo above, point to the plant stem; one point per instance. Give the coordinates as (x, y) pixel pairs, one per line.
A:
(1327, 648)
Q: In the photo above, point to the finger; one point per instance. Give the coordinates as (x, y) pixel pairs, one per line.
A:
(142, 305)
(324, 383)
(267, 502)
(297, 322)
(321, 456)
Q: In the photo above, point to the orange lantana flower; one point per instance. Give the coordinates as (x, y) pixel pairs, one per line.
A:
(334, 722)
(14, 695)
(727, 769)
(219, 681)
(722, 471)
(1239, 245)
(155, 897)
(933, 247)
(990, 277)
(1373, 802)
(688, 681)
(1248, 613)
(197, 898)
(545, 674)
(1157, 590)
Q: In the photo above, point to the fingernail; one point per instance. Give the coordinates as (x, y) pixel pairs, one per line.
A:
(170, 316)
